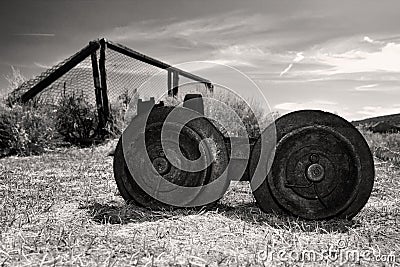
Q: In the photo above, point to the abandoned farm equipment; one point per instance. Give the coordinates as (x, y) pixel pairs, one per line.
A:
(318, 166)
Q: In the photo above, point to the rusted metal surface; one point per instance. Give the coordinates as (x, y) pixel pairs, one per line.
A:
(97, 86)
(103, 80)
(238, 160)
(322, 168)
(194, 102)
(190, 136)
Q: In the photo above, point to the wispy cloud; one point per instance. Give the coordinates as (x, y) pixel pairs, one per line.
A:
(368, 87)
(372, 41)
(315, 104)
(286, 70)
(35, 34)
(368, 40)
(358, 58)
(299, 57)
(234, 35)
(372, 111)
(204, 29)
(43, 66)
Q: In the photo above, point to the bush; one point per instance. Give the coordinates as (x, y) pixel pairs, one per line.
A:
(76, 120)
(32, 129)
(116, 123)
(24, 131)
(14, 79)
(254, 118)
(384, 146)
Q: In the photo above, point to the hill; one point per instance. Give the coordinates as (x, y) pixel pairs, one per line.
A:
(381, 124)
(394, 119)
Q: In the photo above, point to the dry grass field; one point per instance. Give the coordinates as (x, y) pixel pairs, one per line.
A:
(63, 209)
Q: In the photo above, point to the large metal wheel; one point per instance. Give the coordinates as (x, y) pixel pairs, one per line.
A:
(322, 167)
(148, 165)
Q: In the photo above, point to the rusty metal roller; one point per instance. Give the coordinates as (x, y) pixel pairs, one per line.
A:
(146, 172)
(322, 167)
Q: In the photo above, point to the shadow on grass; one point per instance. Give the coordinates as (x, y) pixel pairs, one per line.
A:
(250, 213)
(130, 213)
(247, 212)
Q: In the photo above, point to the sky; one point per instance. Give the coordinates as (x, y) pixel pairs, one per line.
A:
(339, 56)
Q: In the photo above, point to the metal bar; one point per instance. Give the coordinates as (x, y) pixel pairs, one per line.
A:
(134, 54)
(239, 161)
(169, 85)
(175, 83)
(97, 90)
(75, 60)
(103, 79)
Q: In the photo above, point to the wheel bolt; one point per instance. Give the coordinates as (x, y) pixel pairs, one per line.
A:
(314, 158)
(315, 172)
(161, 165)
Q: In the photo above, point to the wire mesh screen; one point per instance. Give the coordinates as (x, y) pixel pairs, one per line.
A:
(127, 76)
(112, 81)
(187, 85)
(77, 82)
(129, 79)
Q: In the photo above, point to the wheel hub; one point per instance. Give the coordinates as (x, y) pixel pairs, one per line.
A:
(161, 165)
(315, 173)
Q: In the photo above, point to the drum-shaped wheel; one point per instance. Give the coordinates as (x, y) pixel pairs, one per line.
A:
(140, 160)
(322, 167)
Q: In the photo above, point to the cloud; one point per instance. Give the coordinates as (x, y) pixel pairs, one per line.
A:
(230, 63)
(368, 87)
(318, 104)
(205, 29)
(373, 111)
(331, 61)
(362, 59)
(315, 104)
(286, 70)
(233, 38)
(299, 57)
(35, 34)
(368, 40)
(240, 55)
(43, 66)
(325, 102)
(372, 41)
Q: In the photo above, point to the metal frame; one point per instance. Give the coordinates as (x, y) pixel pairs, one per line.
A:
(100, 74)
(60, 71)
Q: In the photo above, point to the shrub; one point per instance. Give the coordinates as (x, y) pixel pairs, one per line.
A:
(116, 123)
(14, 79)
(253, 116)
(384, 146)
(24, 131)
(76, 120)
